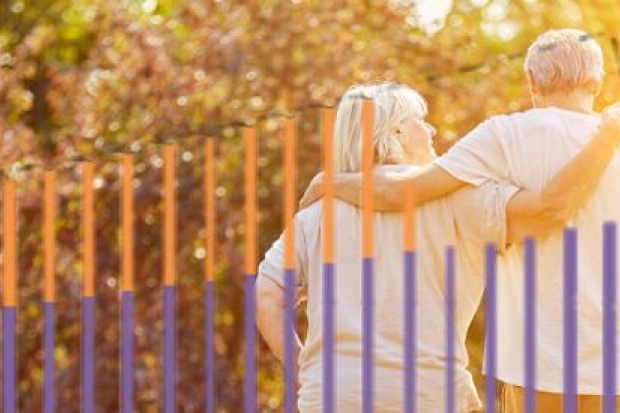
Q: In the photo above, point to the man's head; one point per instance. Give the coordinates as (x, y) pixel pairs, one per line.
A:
(564, 62)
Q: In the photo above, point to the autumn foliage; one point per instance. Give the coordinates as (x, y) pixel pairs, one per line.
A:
(89, 79)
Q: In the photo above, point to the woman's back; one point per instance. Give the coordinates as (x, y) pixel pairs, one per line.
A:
(435, 229)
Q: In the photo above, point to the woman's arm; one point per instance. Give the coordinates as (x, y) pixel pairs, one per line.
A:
(537, 214)
(270, 316)
(270, 295)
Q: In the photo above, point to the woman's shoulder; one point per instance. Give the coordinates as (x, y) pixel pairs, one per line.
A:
(310, 218)
(310, 215)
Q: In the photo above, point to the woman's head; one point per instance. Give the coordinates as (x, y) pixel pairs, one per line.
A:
(398, 126)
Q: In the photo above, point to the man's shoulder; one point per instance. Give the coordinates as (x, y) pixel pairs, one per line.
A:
(543, 116)
(528, 117)
(501, 126)
(510, 129)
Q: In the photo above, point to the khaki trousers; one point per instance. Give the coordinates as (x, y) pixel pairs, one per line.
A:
(512, 400)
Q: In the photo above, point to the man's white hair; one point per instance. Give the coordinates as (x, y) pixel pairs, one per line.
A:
(392, 103)
(565, 61)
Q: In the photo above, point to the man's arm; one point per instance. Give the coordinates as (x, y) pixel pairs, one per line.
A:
(477, 158)
(538, 214)
(430, 182)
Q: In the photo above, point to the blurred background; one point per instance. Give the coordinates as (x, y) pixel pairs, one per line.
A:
(89, 78)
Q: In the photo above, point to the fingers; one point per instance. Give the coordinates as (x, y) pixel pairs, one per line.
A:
(313, 192)
(611, 116)
(305, 199)
(309, 198)
(612, 111)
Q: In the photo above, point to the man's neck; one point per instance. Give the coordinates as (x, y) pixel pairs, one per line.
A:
(576, 102)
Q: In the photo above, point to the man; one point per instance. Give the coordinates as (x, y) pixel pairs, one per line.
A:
(564, 69)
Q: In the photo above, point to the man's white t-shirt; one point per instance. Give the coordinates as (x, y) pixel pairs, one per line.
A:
(528, 149)
(466, 220)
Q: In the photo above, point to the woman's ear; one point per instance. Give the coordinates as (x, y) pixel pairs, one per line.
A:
(399, 136)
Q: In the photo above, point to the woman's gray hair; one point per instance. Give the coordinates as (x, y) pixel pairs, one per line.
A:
(392, 103)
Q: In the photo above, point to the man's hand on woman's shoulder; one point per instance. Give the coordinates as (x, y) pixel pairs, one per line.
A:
(314, 192)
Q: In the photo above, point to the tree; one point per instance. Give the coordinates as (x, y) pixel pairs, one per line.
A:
(92, 78)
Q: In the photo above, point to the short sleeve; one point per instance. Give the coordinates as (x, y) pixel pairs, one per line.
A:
(480, 213)
(502, 194)
(478, 157)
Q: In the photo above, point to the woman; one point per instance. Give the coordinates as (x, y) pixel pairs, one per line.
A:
(466, 221)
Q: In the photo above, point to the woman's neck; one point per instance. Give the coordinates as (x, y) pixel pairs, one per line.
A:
(420, 158)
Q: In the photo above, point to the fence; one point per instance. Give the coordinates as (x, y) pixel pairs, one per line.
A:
(9, 285)
(169, 297)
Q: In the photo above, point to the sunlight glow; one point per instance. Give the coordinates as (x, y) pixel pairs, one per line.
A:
(431, 14)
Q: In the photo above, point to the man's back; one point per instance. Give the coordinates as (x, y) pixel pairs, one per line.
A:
(528, 149)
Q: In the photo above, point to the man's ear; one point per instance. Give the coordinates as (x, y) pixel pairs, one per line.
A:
(531, 83)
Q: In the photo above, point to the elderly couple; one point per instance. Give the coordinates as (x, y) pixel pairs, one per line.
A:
(526, 174)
